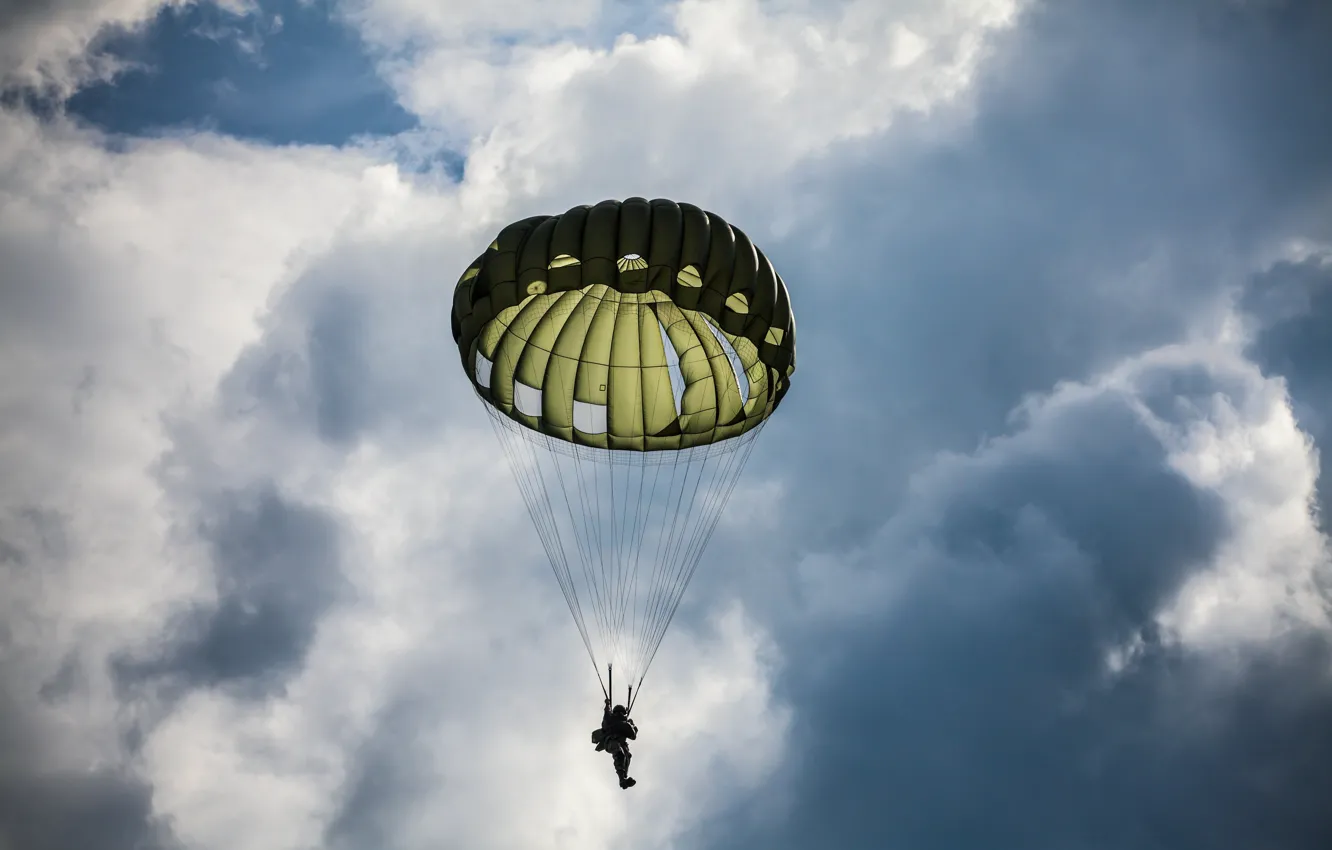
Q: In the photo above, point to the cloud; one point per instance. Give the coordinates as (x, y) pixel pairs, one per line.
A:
(564, 117)
(1289, 306)
(278, 571)
(49, 811)
(1048, 647)
(53, 48)
(132, 278)
(289, 423)
(1047, 650)
(60, 784)
(1118, 174)
(46, 45)
(1030, 555)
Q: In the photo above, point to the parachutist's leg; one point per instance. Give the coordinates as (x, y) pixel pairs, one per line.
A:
(622, 757)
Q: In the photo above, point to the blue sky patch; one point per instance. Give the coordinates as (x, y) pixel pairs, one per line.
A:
(289, 74)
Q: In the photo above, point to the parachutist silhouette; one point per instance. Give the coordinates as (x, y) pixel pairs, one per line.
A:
(613, 736)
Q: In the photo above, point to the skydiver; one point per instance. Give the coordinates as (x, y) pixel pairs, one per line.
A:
(616, 731)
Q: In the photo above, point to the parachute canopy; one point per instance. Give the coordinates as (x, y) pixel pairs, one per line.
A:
(638, 325)
(628, 354)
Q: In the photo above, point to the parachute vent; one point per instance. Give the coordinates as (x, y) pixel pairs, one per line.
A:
(526, 399)
(673, 368)
(482, 369)
(737, 367)
(589, 418)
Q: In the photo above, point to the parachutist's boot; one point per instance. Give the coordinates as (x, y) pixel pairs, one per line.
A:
(627, 782)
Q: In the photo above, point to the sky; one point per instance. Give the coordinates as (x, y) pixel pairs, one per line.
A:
(1034, 554)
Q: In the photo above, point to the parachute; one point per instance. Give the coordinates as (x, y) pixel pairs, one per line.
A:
(629, 355)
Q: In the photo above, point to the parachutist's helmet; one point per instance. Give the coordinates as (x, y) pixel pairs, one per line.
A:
(619, 711)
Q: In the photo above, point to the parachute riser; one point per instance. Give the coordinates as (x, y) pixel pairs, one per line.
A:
(609, 690)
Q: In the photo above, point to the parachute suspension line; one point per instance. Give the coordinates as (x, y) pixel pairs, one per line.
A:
(656, 475)
(576, 606)
(739, 458)
(586, 463)
(662, 569)
(584, 550)
(585, 561)
(537, 496)
(528, 488)
(629, 550)
(605, 523)
(604, 584)
(549, 535)
(723, 485)
(623, 559)
(635, 596)
(627, 544)
(638, 551)
(596, 589)
(662, 538)
(617, 571)
(663, 586)
(606, 518)
(632, 583)
(675, 563)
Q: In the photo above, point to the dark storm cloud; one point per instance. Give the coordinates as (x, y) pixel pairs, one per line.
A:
(340, 361)
(386, 777)
(63, 683)
(11, 553)
(90, 810)
(45, 802)
(312, 368)
(1126, 163)
(33, 530)
(278, 570)
(1292, 304)
(978, 709)
(43, 809)
(338, 366)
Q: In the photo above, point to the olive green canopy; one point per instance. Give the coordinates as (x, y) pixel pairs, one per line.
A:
(638, 325)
